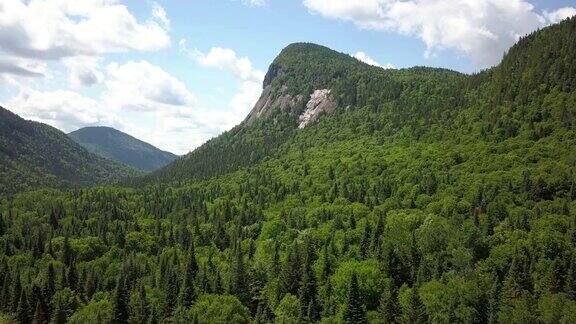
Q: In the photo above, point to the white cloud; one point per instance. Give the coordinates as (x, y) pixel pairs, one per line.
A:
(560, 14)
(226, 59)
(84, 71)
(141, 86)
(250, 79)
(66, 110)
(480, 29)
(42, 29)
(363, 57)
(254, 3)
(22, 67)
(139, 98)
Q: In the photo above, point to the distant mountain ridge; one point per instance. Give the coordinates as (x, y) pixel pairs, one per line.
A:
(115, 145)
(34, 155)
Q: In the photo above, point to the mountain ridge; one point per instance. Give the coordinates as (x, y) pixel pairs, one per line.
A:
(33, 154)
(118, 146)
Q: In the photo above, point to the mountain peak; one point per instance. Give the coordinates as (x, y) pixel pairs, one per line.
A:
(121, 147)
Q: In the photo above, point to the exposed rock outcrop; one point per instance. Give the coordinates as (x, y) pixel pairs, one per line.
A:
(272, 99)
(320, 102)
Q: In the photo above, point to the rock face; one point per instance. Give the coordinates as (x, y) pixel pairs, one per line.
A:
(272, 99)
(320, 102)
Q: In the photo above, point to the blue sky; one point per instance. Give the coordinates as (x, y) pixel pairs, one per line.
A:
(175, 73)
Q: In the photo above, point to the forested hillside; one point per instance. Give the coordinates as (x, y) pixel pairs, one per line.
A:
(35, 155)
(121, 147)
(406, 96)
(425, 196)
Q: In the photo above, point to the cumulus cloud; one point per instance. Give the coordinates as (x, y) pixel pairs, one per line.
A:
(480, 29)
(138, 97)
(66, 110)
(250, 79)
(141, 86)
(560, 14)
(226, 59)
(50, 30)
(22, 68)
(363, 57)
(84, 71)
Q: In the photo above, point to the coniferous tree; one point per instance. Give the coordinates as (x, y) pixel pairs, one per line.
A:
(290, 273)
(493, 303)
(23, 310)
(140, 311)
(387, 307)
(310, 308)
(90, 285)
(188, 294)
(120, 311)
(354, 311)
(67, 252)
(238, 276)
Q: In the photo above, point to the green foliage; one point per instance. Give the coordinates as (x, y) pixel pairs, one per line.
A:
(220, 309)
(35, 155)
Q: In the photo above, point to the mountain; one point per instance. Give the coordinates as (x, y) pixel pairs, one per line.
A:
(37, 155)
(121, 147)
(349, 194)
(303, 83)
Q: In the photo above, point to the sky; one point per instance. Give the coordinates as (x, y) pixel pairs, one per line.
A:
(176, 73)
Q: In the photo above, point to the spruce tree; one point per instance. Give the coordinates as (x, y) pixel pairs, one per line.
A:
(140, 311)
(238, 276)
(388, 308)
(67, 252)
(188, 294)
(570, 282)
(354, 311)
(23, 310)
(120, 312)
(310, 308)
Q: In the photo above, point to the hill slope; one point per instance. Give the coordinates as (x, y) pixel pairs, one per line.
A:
(121, 147)
(297, 75)
(37, 155)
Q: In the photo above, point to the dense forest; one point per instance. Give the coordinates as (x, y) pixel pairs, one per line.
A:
(427, 196)
(35, 155)
(117, 146)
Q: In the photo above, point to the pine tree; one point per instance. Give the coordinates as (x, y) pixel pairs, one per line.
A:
(140, 311)
(23, 310)
(354, 312)
(16, 294)
(67, 252)
(493, 303)
(310, 308)
(120, 312)
(238, 276)
(90, 285)
(365, 243)
(388, 308)
(50, 288)
(72, 277)
(290, 273)
(188, 294)
(414, 312)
